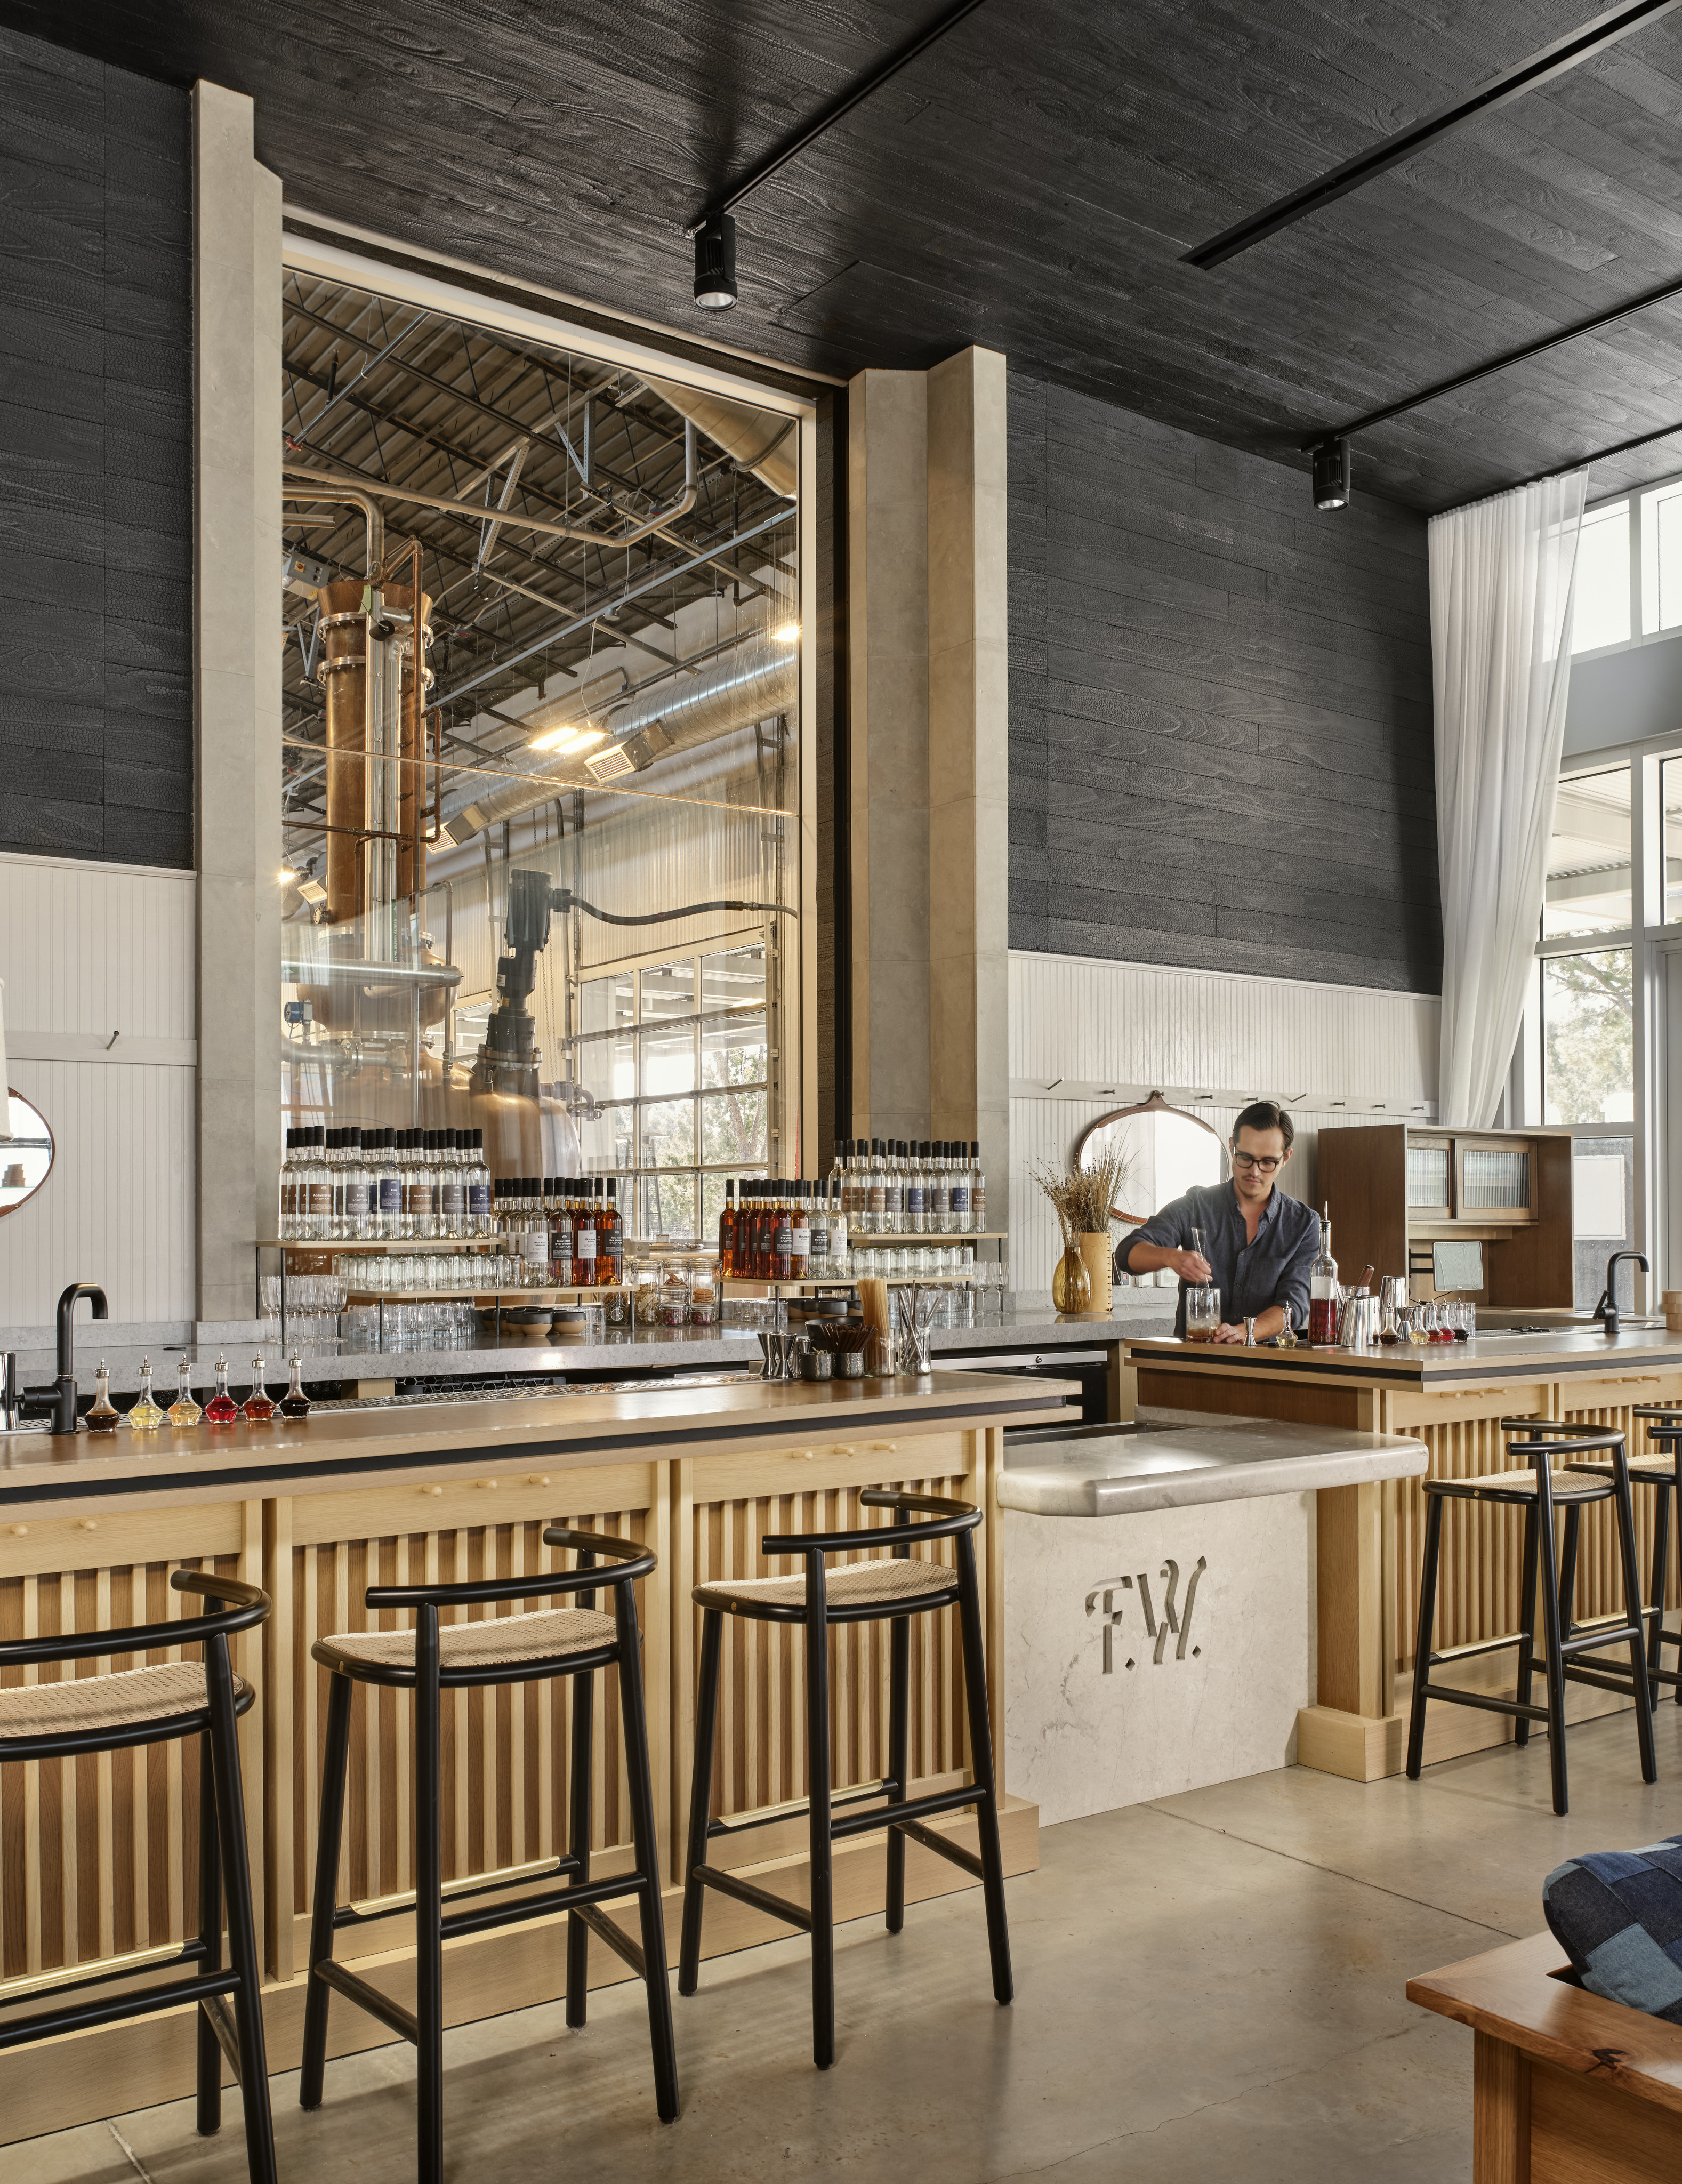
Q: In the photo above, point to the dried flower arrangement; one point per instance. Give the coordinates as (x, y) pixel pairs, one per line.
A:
(1084, 1198)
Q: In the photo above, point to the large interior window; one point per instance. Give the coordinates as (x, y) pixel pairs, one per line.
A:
(541, 820)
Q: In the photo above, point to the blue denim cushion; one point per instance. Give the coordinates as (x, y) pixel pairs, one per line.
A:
(1617, 1914)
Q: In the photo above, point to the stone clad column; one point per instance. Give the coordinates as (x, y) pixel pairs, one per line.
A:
(237, 691)
(968, 764)
(927, 601)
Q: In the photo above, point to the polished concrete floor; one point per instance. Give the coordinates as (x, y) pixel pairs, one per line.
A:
(1208, 1987)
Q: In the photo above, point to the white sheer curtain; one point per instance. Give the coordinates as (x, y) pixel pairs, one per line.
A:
(1502, 574)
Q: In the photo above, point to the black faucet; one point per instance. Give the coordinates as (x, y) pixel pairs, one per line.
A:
(63, 1391)
(1606, 1309)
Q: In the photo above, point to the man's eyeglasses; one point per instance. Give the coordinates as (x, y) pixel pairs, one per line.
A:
(1267, 1165)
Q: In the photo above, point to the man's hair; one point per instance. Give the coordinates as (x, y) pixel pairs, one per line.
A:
(1265, 1115)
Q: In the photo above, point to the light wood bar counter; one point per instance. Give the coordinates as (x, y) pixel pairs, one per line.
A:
(1369, 1538)
(90, 1529)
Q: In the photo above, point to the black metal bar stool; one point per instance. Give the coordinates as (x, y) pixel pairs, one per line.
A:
(858, 1593)
(155, 1705)
(514, 1649)
(1663, 1473)
(1538, 1491)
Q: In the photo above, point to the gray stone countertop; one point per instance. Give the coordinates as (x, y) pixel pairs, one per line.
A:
(1115, 1474)
(1028, 1325)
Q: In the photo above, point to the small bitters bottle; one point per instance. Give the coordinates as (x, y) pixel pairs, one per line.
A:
(184, 1412)
(258, 1407)
(145, 1416)
(295, 1404)
(221, 1410)
(101, 1417)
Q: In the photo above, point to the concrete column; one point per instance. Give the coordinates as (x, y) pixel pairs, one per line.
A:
(968, 763)
(887, 627)
(237, 685)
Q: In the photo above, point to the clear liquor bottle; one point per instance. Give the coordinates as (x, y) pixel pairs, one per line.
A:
(817, 1214)
(799, 1234)
(390, 1185)
(893, 1189)
(840, 1262)
(184, 1412)
(146, 1415)
(916, 1190)
(977, 1190)
(453, 1186)
(478, 1189)
(561, 1235)
(958, 1191)
(357, 1224)
(286, 1210)
(877, 1203)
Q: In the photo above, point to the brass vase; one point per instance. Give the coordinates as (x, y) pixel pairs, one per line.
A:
(1071, 1283)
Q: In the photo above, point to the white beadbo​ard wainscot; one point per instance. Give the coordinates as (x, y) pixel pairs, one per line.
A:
(1166, 1639)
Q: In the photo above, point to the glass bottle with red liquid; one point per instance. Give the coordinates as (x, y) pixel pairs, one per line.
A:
(1322, 1291)
(726, 1231)
(221, 1410)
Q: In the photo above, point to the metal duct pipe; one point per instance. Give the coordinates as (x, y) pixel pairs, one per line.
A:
(755, 680)
(758, 440)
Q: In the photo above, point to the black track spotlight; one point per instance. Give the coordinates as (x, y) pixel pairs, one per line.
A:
(1331, 470)
(715, 262)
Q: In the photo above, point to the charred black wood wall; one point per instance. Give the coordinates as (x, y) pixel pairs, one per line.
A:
(1220, 707)
(96, 460)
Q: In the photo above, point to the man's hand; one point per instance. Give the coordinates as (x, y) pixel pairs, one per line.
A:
(1224, 1333)
(1192, 1267)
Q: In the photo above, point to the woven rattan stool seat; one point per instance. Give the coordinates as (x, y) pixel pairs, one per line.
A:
(550, 1635)
(845, 1586)
(1572, 1486)
(80, 1703)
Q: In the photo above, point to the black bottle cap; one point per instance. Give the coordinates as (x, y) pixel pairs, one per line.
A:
(612, 1190)
(975, 1148)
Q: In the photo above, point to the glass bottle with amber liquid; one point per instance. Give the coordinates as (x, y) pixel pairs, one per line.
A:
(184, 1412)
(102, 1415)
(799, 1234)
(258, 1407)
(221, 1410)
(726, 1231)
(147, 1415)
(782, 1235)
(584, 1241)
(610, 1238)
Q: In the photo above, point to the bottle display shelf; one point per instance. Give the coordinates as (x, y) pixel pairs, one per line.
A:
(872, 1237)
(749, 1285)
(488, 1299)
(372, 1244)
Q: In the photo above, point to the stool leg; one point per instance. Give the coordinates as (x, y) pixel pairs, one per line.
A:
(1552, 1638)
(429, 1937)
(640, 1784)
(700, 1800)
(1567, 1570)
(578, 1843)
(981, 1764)
(1527, 1647)
(209, 2117)
(899, 1730)
(317, 1994)
(1656, 1591)
(254, 2062)
(818, 1816)
(1428, 1620)
(1632, 1609)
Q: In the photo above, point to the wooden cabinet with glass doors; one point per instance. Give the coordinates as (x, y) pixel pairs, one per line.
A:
(1412, 1201)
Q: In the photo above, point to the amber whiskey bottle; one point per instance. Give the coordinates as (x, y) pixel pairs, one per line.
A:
(726, 1231)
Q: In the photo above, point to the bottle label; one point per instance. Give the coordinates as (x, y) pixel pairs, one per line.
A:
(453, 1198)
(391, 1194)
(584, 1243)
(537, 1247)
(914, 1200)
(613, 1254)
(878, 1198)
(820, 1247)
(800, 1243)
(419, 1196)
(960, 1198)
(321, 1198)
(782, 1239)
(978, 1205)
(479, 1201)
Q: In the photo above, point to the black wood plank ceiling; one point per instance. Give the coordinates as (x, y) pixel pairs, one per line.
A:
(1032, 184)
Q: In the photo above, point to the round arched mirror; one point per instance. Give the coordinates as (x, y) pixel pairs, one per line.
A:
(1165, 1150)
(26, 1157)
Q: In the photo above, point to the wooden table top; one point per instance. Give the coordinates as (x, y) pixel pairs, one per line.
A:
(41, 1472)
(1484, 1358)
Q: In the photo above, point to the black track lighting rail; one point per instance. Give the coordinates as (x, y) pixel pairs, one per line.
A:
(1667, 293)
(792, 147)
(1553, 60)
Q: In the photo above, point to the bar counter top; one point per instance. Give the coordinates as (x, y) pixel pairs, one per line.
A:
(1486, 1356)
(1117, 1473)
(410, 1443)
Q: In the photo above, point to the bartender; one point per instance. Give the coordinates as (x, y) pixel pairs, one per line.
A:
(1258, 1246)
